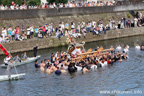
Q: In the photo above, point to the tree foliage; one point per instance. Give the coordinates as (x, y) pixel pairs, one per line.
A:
(19, 2)
(34, 2)
(6, 2)
(57, 1)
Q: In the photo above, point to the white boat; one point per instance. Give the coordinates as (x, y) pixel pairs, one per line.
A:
(13, 77)
(29, 60)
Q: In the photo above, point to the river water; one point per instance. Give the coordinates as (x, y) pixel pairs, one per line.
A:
(121, 79)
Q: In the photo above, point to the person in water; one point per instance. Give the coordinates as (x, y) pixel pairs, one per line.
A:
(64, 62)
(24, 56)
(48, 64)
(119, 48)
(63, 70)
(85, 69)
(142, 48)
(42, 66)
(58, 71)
(138, 47)
(126, 49)
(49, 70)
(36, 64)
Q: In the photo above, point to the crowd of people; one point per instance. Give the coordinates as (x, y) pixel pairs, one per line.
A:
(65, 29)
(24, 6)
(62, 62)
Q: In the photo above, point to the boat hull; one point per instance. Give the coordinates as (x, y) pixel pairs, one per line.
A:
(13, 77)
(32, 59)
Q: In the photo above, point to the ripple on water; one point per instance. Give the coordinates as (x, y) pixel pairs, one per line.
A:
(127, 75)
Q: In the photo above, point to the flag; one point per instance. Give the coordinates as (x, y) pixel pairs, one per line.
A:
(4, 50)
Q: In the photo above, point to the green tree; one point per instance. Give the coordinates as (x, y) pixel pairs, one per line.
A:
(19, 2)
(34, 2)
(57, 1)
(6, 2)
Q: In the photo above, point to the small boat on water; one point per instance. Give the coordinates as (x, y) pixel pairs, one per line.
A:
(29, 60)
(13, 77)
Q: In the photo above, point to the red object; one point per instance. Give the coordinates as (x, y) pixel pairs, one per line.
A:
(108, 62)
(71, 39)
(4, 50)
(44, 30)
(18, 29)
(82, 51)
(45, 6)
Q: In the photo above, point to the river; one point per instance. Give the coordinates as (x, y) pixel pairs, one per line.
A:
(121, 79)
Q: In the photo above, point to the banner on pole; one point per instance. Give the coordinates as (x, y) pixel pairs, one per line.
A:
(4, 50)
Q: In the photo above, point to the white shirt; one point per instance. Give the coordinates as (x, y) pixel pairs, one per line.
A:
(2, 8)
(28, 31)
(137, 47)
(119, 48)
(126, 50)
(4, 33)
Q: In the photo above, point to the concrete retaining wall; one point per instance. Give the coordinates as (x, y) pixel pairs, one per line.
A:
(36, 13)
(19, 46)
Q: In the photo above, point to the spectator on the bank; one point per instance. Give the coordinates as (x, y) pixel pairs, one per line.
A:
(122, 24)
(104, 29)
(23, 30)
(119, 24)
(110, 24)
(127, 23)
(98, 29)
(2, 7)
(40, 35)
(18, 30)
(66, 26)
(12, 7)
(4, 33)
(62, 29)
(12, 3)
(135, 21)
(139, 22)
(28, 32)
(13, 34)
(10, 32)
(46, 28)
(113, 23)
(44, 31)
(31, 32)
(36, 32)
(132, 23)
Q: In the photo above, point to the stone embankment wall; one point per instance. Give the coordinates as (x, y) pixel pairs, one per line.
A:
(36, 13)
(40, 17)
(19, 46)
